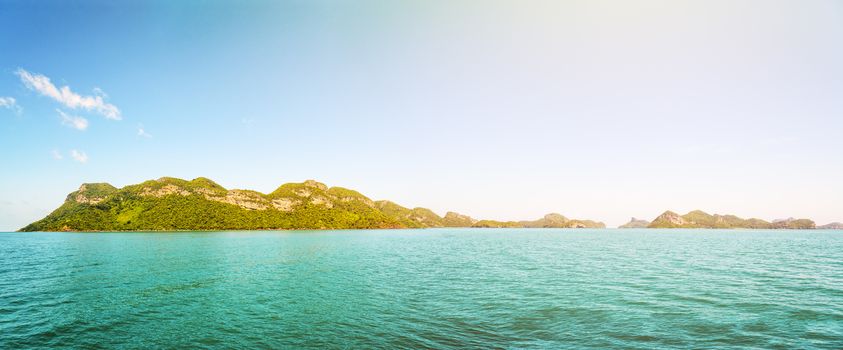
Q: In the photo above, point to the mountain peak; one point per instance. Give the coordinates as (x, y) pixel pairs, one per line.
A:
(454, 219)
(315, 184)
(96, 187)
(668, 219)
(205, 182)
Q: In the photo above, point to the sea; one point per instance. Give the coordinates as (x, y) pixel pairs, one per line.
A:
(423, 289)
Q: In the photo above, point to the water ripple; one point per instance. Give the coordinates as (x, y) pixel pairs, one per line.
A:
(423, 289)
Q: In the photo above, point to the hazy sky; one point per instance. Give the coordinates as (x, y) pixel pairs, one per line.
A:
(496, 109)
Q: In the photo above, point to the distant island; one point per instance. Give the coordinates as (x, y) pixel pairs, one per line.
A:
(635, 223)
(832, 226)
(701, 219)
(201, 204)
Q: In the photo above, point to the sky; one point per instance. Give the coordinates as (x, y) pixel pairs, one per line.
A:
(506, 110)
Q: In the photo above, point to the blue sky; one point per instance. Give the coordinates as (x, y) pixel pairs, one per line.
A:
(496, 109)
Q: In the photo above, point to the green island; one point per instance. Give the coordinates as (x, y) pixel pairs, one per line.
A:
(635, 223)
(172, 204)
(701, 219)
(169, 204)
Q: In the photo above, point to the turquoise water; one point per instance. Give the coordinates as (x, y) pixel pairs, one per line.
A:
(444, 288)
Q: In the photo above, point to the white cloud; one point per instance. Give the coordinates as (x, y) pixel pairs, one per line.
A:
(7, 102)
(67, 97)
(73, 121)
(56, 155)
(99, 92)
(79, 156)
(10, 103)
(143, 133)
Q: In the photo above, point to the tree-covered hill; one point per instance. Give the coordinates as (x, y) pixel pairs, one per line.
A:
(201, 204)
(701, 219)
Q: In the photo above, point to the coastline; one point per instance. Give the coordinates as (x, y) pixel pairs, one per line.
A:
(446, 228)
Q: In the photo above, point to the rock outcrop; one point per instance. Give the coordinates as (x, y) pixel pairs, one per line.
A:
(668, 219)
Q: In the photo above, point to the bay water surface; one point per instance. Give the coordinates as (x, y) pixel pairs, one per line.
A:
(437, 288)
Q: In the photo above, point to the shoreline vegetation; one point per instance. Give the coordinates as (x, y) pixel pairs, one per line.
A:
(172, 204)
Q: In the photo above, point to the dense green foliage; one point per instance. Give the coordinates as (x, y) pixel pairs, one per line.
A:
(201, 204)
(188, 207)
(411, 218)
